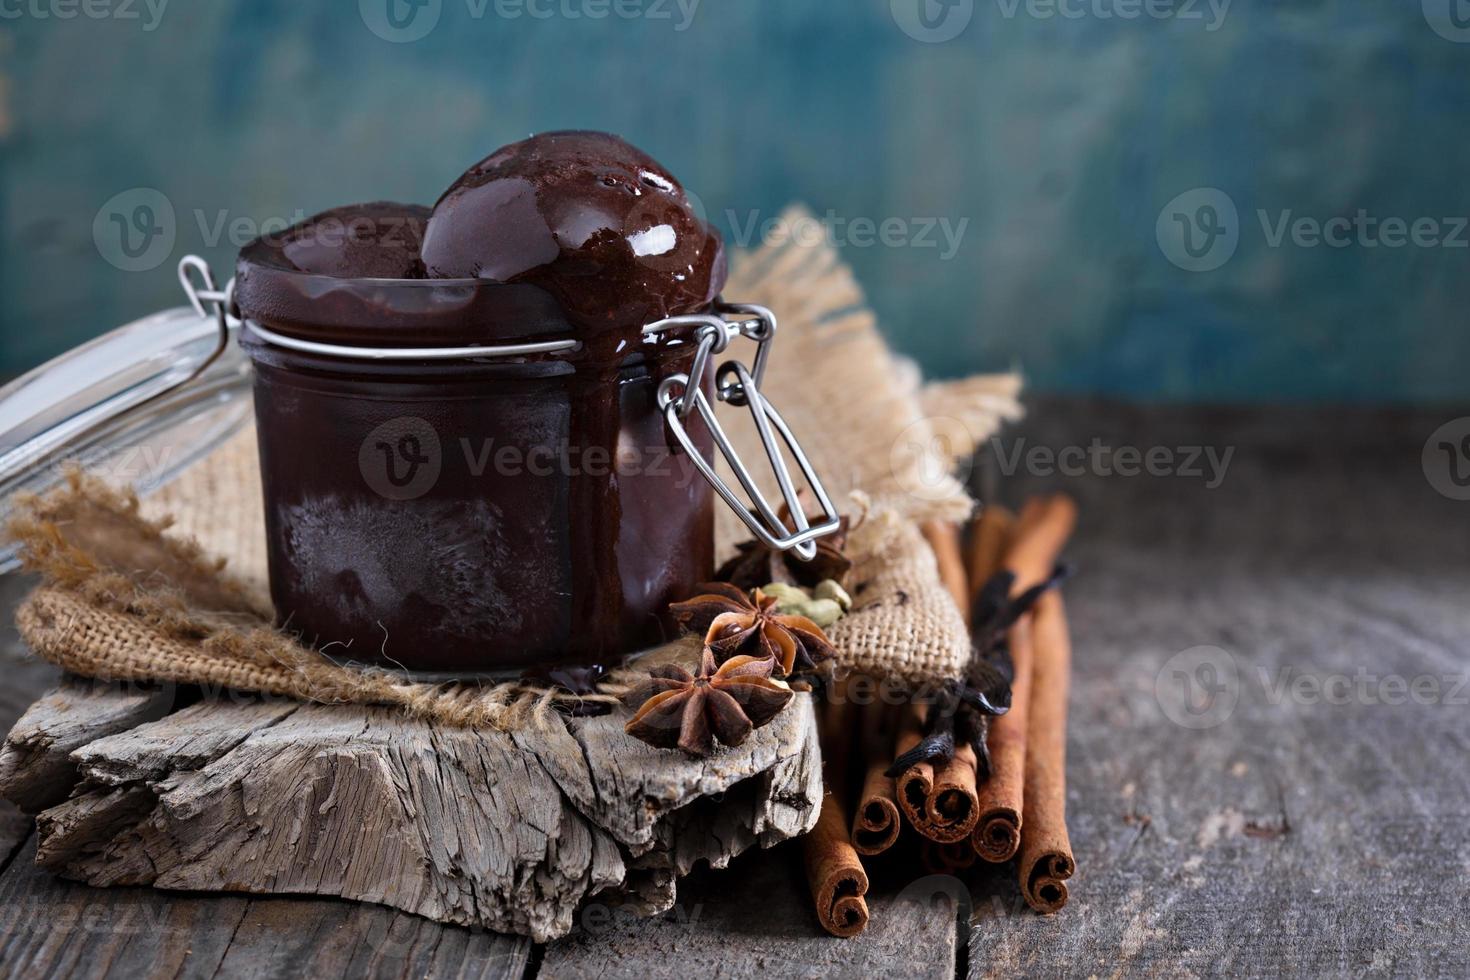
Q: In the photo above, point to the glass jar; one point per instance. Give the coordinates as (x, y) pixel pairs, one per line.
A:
(480, 513)
(453, 484)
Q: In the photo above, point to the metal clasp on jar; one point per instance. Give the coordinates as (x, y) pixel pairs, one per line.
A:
(735, 384)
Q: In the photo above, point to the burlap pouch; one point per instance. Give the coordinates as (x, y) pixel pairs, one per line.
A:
(140, 592)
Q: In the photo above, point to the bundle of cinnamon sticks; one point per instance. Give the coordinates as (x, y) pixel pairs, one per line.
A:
(958, 813)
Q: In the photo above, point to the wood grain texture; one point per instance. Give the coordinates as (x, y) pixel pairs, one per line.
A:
(1295, 836)
(35, 762)
(55, 928)
(296, 937)
(758, 921)
(472, 827)
(25, 677)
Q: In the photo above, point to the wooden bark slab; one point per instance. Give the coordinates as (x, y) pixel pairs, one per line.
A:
(35, 763)
(478, 828)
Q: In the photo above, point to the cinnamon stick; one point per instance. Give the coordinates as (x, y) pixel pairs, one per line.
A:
(944, 540)
(989, 538)
(959, 856)
(1035, 541)
(1041, 533)
(833, 869)
(835, 872)
(950, 809)
(916, 783)
(946, 859)
(997, 834)
(1046, 851)
(875, 821)
(940, 804)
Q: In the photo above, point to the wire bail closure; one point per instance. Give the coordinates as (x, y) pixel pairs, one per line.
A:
(735, 384)
(200, 292)
(198, 282)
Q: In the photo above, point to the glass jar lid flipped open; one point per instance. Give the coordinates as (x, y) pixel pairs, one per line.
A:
(137, 405)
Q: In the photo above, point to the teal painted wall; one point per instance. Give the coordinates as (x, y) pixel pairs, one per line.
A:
(1048, 136)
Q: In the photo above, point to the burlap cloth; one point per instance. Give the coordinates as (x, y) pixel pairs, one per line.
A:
(141, 592)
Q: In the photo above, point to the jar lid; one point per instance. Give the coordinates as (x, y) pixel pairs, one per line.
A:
(136, 405)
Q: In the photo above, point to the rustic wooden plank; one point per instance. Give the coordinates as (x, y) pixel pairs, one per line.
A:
(54, 928)
(1290, 835)
(15, 828)
(271, 937)
(756, 920)
(290, 937)
(26, 678)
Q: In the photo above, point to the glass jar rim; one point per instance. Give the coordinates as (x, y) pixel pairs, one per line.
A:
(375, 312)
(378, 312)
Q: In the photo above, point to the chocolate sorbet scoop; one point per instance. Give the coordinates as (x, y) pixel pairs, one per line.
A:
(371, 241)
(589, 218)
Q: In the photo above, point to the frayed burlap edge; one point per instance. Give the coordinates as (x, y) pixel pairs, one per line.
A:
(123, 600)
(904, 626)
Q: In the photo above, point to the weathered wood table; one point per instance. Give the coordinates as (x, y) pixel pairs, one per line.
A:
(1267, 754)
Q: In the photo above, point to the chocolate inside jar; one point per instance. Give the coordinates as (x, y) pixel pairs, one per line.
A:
(484, 514)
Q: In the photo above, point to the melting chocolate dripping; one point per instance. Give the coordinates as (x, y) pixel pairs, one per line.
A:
(594, 514)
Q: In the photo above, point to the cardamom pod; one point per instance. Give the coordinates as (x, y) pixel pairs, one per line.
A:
(831, 589)
(792, 601)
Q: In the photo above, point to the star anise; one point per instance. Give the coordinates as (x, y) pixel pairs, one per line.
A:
(737, 624)
(755, 564)
(724, 703)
